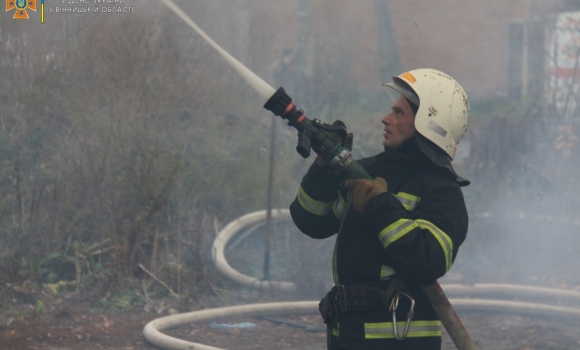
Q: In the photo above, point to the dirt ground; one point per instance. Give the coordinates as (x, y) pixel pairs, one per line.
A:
(78, 326)
(75, 326)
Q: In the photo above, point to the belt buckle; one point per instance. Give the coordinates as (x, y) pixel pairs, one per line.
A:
(340, 297)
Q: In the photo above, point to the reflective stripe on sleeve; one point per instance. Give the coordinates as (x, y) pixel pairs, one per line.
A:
(408, 200)
(312, 206)
(384, 330)
(442, 238)
(338, 206)
(386, 272)
(395, 231)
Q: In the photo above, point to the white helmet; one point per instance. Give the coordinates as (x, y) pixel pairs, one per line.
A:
(443, 113)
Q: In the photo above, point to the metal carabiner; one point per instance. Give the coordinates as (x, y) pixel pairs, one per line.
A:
(393, 308)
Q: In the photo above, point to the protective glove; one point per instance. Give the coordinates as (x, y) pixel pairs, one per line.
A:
(362, 191)
(347, 142)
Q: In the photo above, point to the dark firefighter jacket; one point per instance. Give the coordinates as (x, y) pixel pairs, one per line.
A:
(413, 230)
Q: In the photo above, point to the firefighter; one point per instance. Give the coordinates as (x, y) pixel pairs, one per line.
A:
(399, 231)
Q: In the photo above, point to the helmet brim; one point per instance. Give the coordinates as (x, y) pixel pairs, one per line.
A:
(408, 94)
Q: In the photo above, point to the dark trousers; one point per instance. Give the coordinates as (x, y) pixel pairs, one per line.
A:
(428, 343)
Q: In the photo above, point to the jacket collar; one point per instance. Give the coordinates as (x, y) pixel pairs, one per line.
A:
(411, 152)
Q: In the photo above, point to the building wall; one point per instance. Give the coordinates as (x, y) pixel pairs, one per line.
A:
(467, 39)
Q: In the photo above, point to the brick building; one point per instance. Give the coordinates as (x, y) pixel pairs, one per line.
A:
(484, 44)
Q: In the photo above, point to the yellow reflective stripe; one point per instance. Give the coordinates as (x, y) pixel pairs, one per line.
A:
(386, 272)
(442, 238)
(338, 206)
(401, 227)
(408, 200)
(335, 330)
(395, 231)
(384, 330)
(312, 206)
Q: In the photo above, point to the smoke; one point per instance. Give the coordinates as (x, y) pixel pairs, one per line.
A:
(519, 151)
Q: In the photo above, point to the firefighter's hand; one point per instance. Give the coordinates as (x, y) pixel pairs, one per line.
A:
(347, 142)
(362, 191)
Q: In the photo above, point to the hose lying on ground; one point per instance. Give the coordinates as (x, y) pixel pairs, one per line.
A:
(465, 298)
(153, 334)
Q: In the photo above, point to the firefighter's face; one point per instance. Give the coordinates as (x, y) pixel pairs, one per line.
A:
(399, 124)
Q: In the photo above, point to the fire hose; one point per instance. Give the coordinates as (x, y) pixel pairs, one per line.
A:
(312, 134)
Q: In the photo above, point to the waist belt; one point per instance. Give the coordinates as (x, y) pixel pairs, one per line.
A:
(359, 298)
(342, 299)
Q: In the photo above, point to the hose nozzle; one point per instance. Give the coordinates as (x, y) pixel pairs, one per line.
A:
(281, 105)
